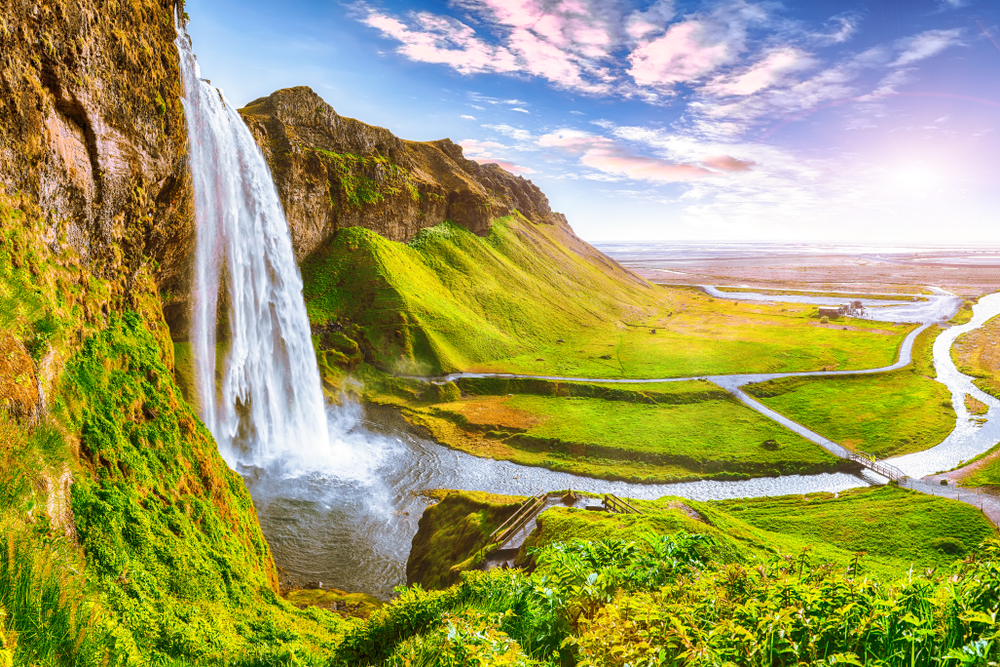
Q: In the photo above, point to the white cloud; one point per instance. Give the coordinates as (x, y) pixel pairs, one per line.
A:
(612, 159)
(766, 73)
(925, 45)
(464, 117)
(510, 131)
(519, 109)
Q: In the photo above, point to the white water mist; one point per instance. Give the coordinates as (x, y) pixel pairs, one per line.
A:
(263, 402)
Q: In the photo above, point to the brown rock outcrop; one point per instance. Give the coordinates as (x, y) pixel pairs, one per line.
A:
(92, 133)
(333, 172)
(18, 386)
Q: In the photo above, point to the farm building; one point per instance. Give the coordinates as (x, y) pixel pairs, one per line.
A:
(832, 311)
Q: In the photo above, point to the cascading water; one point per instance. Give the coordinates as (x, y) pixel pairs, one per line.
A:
(267, 406)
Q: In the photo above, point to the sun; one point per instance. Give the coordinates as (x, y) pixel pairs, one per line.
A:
(915, 177)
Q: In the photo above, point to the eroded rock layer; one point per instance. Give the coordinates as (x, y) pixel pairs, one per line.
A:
(334, 172)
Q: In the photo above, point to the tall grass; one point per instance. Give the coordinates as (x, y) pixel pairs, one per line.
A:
(48, 616)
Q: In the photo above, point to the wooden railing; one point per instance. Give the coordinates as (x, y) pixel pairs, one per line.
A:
(614, 504)
(877, 465)
(524, 514)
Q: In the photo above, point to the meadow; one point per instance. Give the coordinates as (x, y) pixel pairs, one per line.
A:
(526, 299)
(884, 414)
(977, 354)
(658, 432)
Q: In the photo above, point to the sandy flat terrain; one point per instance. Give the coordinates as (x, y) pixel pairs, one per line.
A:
(825, 272)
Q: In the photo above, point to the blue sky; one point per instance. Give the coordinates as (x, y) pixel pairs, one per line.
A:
(666, 120)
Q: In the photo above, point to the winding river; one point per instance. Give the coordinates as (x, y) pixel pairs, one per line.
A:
(352, 527)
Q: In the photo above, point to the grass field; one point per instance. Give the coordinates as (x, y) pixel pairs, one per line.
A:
(534, 299)
(884, 414)
(894, 526)
(977, 354)
(680, 430)
(834, 296)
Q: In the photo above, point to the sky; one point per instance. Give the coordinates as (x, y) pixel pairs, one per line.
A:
(729, 120)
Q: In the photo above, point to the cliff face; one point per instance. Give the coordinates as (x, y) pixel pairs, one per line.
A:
(134, 524)
(92, 133)
(334, 172)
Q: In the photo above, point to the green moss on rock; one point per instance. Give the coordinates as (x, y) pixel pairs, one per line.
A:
(452, 536)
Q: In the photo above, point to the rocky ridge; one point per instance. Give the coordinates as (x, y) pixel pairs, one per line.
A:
(334, 172)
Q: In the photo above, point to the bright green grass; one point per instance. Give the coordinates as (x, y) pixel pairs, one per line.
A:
(715, 434)
(897, 527)
(884, 414)
(987, 473)
(450, 300)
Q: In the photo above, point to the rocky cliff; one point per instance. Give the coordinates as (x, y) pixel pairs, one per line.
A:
(124, 537)
(334, 172)
(92, 133)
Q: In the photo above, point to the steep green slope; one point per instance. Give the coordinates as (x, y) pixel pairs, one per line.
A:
(532, 298)
(449, 299)
(124, 537)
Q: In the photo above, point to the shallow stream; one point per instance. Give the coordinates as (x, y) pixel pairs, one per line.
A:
(351, 528)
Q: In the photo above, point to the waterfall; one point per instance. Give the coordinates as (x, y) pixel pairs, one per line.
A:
(260, 389)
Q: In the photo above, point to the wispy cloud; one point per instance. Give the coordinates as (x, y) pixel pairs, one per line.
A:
(925, 45)
(464, 117)
(446, 41)
(511, 131)
(612, 158)
(483, 153)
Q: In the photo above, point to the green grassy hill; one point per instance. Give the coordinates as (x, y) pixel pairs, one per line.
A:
(532, 298)
(449, 300)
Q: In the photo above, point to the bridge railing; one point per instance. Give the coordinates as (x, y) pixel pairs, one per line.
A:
(614, 504)
(525, 513)
(877, 465)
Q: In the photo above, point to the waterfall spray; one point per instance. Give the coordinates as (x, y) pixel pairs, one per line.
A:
(264, 402)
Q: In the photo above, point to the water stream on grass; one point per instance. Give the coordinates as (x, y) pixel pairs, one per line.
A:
(352, 528)
(971, 436)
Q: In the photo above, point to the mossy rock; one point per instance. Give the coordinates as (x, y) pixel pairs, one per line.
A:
(452, 536)
(357, 605)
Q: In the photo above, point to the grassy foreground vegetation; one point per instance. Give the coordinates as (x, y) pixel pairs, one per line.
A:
(124, 537)
(532, 299)
(692, 583)
(658, 432)
(884, 414)
(977, 354)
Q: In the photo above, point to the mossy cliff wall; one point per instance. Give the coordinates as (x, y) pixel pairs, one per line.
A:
(106, 475)
(334, 172)
(92, 133)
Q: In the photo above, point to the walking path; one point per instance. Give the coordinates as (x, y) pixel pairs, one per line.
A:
(966, 440)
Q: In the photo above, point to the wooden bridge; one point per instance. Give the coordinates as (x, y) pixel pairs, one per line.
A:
(524, 515)
(877, 466)
(616, 505)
